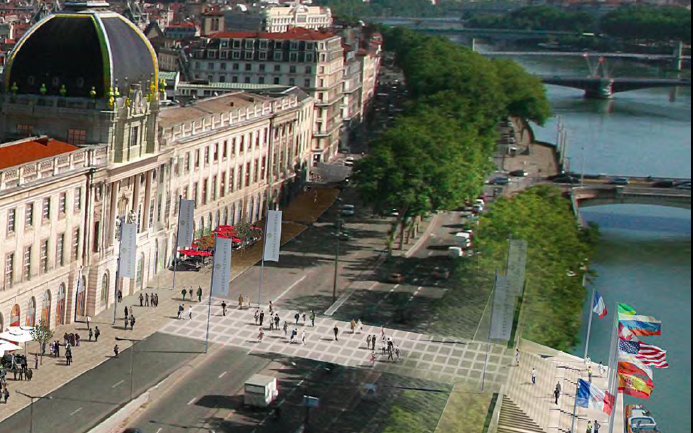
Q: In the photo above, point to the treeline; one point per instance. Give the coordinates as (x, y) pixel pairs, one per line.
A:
(344, 9)
(438, 153)
(536, 18)
(629, 23)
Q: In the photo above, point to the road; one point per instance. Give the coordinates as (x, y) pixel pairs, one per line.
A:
(84, 402)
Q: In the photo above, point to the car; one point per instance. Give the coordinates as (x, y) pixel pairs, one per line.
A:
(499, 181)
(683, 185)
(348, 210)
(395, 278)
(132, 430)
(518, 173)
(349, 161)
(620, 181)
(344, 236)
(567, 179)
(440, 273)
(664, 184)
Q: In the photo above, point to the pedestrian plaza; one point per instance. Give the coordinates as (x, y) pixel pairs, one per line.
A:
(422, 356)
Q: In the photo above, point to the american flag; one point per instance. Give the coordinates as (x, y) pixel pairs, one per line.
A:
(652, 355)
(630, 347)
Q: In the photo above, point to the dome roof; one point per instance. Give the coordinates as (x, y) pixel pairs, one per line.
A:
(81, 49)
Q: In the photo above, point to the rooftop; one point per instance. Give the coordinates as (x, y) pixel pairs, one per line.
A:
(223, 104)
(297, 33)
(32, 149)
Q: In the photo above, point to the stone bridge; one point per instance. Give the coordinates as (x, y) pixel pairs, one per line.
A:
(601, 194)
(598, 87)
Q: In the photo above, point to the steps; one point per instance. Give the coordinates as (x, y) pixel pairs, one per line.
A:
(514, 420)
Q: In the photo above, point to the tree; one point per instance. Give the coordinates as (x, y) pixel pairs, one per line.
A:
(649, 23)
(43, 334)
(526, 95)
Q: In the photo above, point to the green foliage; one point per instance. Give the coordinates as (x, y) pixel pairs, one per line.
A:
(557, 251)
(526, 94)
(650, 23)
(376, 8)
(537, 18)
(42, 333)
(416, 412)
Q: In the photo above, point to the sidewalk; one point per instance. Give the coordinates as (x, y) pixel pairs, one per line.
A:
(53, 373)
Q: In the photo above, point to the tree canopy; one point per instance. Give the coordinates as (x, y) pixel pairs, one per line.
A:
(649, 23)
(536, 18)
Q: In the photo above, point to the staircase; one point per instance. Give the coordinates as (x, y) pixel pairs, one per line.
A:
(514, 420)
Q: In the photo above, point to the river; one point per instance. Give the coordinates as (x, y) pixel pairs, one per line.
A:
(644, 256)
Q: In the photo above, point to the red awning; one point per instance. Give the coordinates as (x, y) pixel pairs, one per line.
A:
(195, 253)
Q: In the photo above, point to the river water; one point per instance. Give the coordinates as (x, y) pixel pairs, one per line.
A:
(644, 257)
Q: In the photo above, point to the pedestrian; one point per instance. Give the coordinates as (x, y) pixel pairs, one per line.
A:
(271, 308)
(262, 317)
(352, 325)
(180, 310)
(534, 376)
(199, 294)
(36, 361)
(589, 427)
(588, 360)
(126, 320)
(240, 301)
(132, 322)
(312, 317)
(97, 332)
(261, 335)
(589, 374)
(602, 370)
(116, 349)
(271, 322)
(397, 352)
(90, 334)
(257, 316)
(596, 426)
(223, 308)
(88, 320)
(293, 335)
(517, 357)
(304, 318)
(382, 333)
(303, 337)
(557, 392)
(336, 333)
(126, 314)
(29, 374)
(120, 295)
(190, 293)
(57, 349)
(286, 328)
(183, 292)
(277, 320)
(156, 297)
(21, 373)
(189, 312)
(297, 316)
(359, 326)
(373, 340)
(391, 355)
(373, 358)
(77, 340)
(141, 300)
(5, 394)
(368, 342)
(146, 300)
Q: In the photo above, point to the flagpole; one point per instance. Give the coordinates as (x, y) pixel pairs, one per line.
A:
(577, 390)
(262, 264)
(209, 309)
(175, 251)
(117, 275)
(613, 369)
(490, 329)
(589, 324)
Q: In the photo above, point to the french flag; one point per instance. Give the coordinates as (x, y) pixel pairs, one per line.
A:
(599, 306)
(589, 396)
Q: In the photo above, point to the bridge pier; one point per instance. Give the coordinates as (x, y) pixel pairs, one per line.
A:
(601, 89)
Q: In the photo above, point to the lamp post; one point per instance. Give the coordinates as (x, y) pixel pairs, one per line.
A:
(132, 362)
(336, 258)
(31, 407)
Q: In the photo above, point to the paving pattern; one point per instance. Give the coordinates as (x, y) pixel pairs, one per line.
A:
(422, 356)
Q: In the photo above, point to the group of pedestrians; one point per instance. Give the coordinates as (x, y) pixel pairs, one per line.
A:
(149, 301)
(387, 347)
(129, 318)
(189, 293)
(181, 310)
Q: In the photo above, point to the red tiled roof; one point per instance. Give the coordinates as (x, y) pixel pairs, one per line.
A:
(297, 33)
(187, 25)
(28, 151)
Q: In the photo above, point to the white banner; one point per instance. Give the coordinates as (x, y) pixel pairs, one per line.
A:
(128, 250)
(186, 219)
(273, 237)
(503, 310)
(221, 275)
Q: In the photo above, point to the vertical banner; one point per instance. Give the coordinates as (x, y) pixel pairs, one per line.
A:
(273, 236)
(503, 310)
(186, 217)
(517, 262)
(128, 250)
(221, 275)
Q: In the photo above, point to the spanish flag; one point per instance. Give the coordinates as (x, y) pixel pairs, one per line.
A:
(634, 386)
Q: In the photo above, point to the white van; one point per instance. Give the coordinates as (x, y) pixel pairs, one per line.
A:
(260, 391)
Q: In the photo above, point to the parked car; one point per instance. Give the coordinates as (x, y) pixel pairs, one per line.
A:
(348, 210)
(567, 179)
(349, 161)
(620, 181)
(344, 236)
(440, 273)
(499, 181)
(683, 185)
(664, 184)
(395, 278)
(518, 173)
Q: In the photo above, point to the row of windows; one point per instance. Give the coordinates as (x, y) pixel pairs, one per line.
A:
(261, 67)
(28, 265)
(47, 211)
(248, 80)
(264, 44)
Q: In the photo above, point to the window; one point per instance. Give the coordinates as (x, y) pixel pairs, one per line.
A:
(236, 67)
(75, 244)
(62, 203)
(234, 79)
(249, 44)
(9, 270)
(78, 199)
(249, 55)
(214, 188)
(206, 160)
(186, 162)
(248, 66)
(46, 210)
(25, 130)
(225, 150)
(263, 167)
(222, 185)
(11, 221)
(237, 43)
(309, 59)
(240, 177)
(262, 67)
(224, 55)
(26, 273)
(278, 45)
(293, 57)
(278, 56)
(263, 45)
(194, 191)
(210, 66)
(233, 147)
(309, 69)
(134, 136)
(294, 45)
(292, 81)
(247, 80)
(197, 158)
(306, 82)
(242, 149)
(76, 136)
(247, 174)
(292, 69)
(276, 80)
(256, 170)
(261, 80)
(262, 55)
(29, 216)
(223, 66)
(60, 250)
(44, 256)
(232, 184)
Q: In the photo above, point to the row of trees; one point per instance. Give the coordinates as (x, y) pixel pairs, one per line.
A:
(377, 8)
(438, 153)
(630, 23)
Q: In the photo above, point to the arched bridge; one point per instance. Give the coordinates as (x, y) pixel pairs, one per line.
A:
(599, 195)
(600, 87)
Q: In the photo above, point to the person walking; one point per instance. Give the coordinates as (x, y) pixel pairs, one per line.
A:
(57, 349)
(146, 300)
(312, 318)
(77, 338)
(271, 308)
(602, 370)
(277, 320)
(189, 312)
(5, 394)
(261, 335)
(286, 328)
(303, 337)
(240, 301)
(589, 374)
(190, 292)
(29, 373)
(199, 293)
(126, 321)
(180, 310)
(120, 295)
(391, 354)
(359, 326)
(36, 361)
(184, 292)
(132, 322)
(336, 333)
(262, 317)
(88, 320)
(257, 316)
(368, 341)
(97, 332)
(589, 427)
(397, 352)
(596, 426)
(116, 349)
(352, 325)
(141, 300)
(373, 340)
(223, 308)
(534, 376)
(557, 392)
(127, 311)
(297, 316)
(517, 357)
(294, 332)
(90, 334)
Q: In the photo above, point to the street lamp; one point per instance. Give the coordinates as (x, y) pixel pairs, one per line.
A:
(31, 407)
(336, 258)
(132, 362)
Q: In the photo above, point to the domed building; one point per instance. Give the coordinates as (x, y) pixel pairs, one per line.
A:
(79, 51)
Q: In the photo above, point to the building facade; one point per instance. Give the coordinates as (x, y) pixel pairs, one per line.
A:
(278, 18)
(309, 59)
(115, 156)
